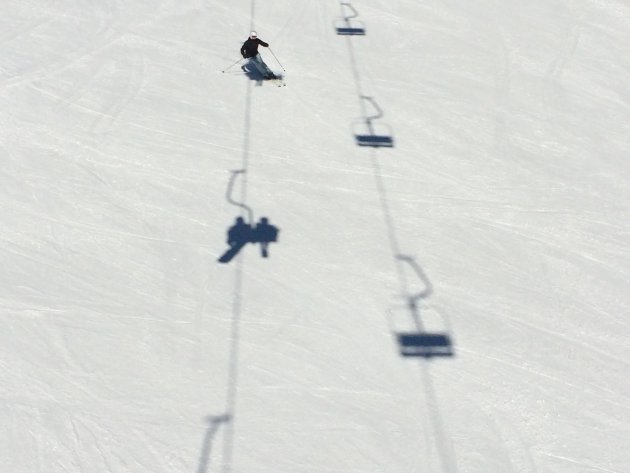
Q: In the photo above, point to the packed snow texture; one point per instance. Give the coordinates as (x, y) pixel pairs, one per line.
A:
(492, 209)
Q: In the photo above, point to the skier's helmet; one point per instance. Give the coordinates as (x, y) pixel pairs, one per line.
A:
(253, 34)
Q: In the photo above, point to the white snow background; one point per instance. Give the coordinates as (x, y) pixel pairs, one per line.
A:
(500, 217)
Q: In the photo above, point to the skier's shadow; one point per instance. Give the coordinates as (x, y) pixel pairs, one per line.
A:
(255, 75)
(252, 73)
(242, 233)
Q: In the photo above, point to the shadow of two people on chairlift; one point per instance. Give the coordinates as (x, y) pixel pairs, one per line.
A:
(242, 233)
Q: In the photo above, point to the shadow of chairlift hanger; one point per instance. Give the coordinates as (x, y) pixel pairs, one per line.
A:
(348, 25)
(370, 134)
(415, 340)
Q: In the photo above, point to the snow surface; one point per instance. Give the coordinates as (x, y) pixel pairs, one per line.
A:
(500, 217)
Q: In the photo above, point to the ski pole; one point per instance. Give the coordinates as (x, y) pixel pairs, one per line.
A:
(271, 51)
(232, 65)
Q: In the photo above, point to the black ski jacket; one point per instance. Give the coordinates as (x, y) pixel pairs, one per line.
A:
(250, 47)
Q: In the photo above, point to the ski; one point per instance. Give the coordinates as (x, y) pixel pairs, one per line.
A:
(278, 81)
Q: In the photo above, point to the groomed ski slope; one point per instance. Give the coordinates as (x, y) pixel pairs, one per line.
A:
(499, 217)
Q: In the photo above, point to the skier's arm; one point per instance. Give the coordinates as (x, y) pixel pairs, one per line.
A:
(262, 43)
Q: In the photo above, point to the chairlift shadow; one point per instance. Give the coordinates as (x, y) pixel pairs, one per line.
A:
(417, 338)
(367, 133)
(420, 334)
(241, 233)
(348, 25)
(425, 345)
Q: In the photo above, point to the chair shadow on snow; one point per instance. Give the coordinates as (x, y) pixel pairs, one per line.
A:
(243, 230)
(349, 25)
(241, 233)
(370, 133)
(413, 335)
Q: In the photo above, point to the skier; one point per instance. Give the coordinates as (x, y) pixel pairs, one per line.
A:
(249, 50)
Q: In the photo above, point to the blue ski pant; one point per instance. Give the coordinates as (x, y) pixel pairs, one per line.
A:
(260, 65)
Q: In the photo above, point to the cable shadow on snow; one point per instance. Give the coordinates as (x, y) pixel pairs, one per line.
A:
(427, 337)
(233, 370)
(240, 233)
(231, 394)
(368, 130)
(420, 334)
(423, 334)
